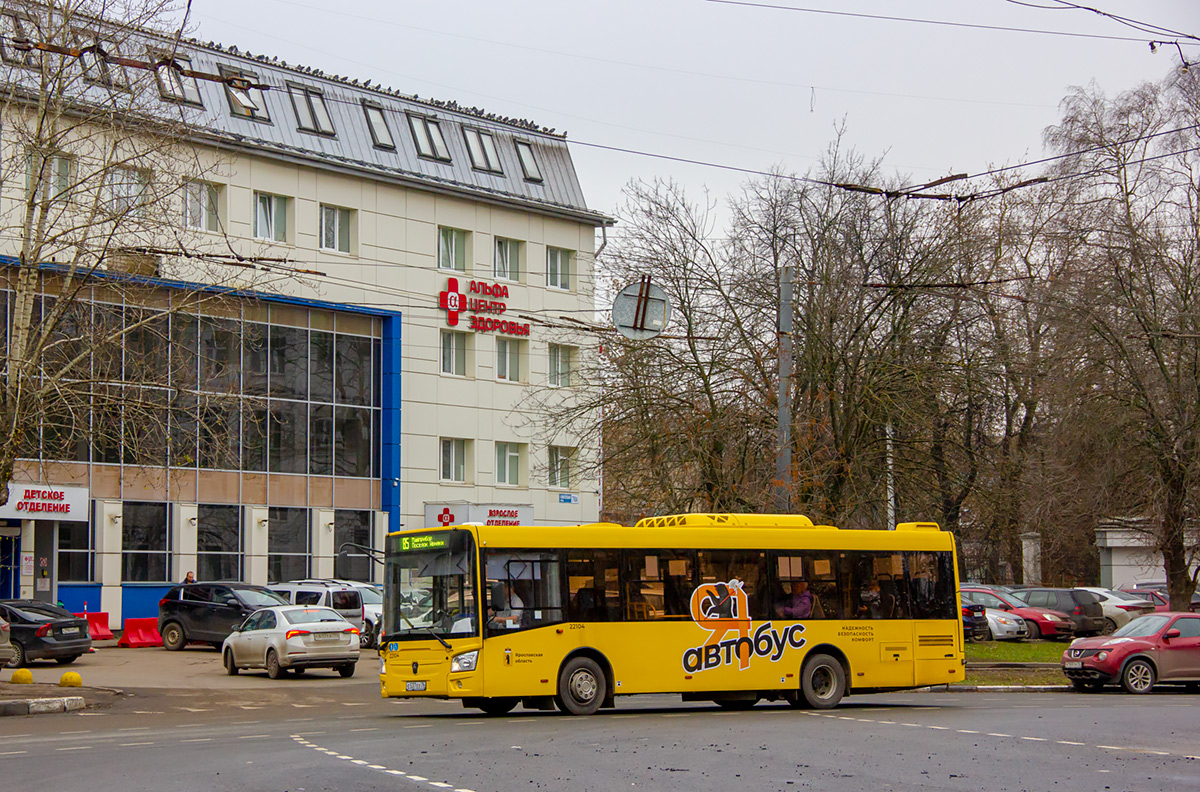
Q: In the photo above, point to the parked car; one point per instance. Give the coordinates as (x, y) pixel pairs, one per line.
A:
(1040, 622)
(6, 649)
(1156, 598)
(1004, 626)
(372, 607)
(208, 612)
(292, 637)
(1119, 607)
(333, 594)
(1145, 588)
(975, 626)
(1160, 647)
(42, 631)
(1082, 607)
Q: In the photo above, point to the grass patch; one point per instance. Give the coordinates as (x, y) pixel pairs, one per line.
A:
(1015, 651)
(1014, 676)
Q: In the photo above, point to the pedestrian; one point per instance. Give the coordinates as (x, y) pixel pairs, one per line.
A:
(190, 577)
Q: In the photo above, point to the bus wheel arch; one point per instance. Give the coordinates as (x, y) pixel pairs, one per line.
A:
(587, 661)
(824, 677)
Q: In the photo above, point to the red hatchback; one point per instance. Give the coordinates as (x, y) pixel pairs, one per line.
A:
(1159, 647)
(1042, 622)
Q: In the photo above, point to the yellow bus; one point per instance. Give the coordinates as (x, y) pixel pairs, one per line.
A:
(728, 608)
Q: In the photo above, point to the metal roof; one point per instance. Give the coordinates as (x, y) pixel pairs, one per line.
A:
(351, 145)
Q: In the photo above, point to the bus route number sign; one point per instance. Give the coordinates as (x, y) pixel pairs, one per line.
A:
(422, 542)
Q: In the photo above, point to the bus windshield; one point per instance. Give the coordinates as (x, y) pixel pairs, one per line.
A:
(431, 586)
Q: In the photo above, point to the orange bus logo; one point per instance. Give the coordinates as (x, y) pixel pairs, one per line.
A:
(723, 608)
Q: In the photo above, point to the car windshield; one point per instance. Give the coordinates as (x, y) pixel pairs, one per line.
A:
(1125, 596)
(1142, 627)
(370, 596)
(257, 598)
(1019, 594)
(311, 615)
(431, 585)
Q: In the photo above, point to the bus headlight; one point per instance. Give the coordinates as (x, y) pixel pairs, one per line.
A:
(464, 661)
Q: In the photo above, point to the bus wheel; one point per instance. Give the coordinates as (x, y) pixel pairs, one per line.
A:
(497, 706)
(582, 686)
(822, 682)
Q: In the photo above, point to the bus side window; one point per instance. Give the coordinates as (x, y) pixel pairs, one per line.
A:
(931, 585)
(593, 585)
(658, 584)
(533, 589)
(749, 567)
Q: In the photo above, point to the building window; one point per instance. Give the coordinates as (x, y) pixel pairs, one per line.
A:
(381, 135)
(15, 26)
(311, 113)
(560, 365)
(508, 464)
(75, 557)
(125, 191)
(245, 101)
(218, 543)
(288, 543)
(452, 249)
(508, 359)
(482, 148)
(335, 228)
(427, 134)
(560, 467)
(49, 176)
(454, 459)
(454, 353)
(173, 85)
(558, 268)
(145, 555)
(200, 206)
(97, 69)
(529, 164)
(508, 259)
(270, 217)
(353, 527)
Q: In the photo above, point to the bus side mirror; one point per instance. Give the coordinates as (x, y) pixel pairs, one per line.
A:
(498, 599)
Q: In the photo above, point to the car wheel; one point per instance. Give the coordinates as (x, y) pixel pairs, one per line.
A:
(582, 686)
(497, 706)
(1138, 676)
(173, 637)
(1035, 632)
(1110, 626)
(991, 636)
(274, 671)
(230, 666)
(18, 659)
(66, 660)
(366, 638)
(822, 682)
(1087, 685)
(347, 670)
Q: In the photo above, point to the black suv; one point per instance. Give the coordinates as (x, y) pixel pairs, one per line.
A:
(1082, 606)
(208, 612)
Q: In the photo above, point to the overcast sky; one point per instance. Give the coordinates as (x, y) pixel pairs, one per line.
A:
(733, 84)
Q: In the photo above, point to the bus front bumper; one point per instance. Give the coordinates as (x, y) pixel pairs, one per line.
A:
(421, 673)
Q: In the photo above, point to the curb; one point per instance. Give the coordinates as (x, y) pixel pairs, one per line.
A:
(1006, 664)
(41, 706)
(993, 689)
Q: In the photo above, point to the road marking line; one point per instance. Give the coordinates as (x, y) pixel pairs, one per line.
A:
(1185, 756)
(127, 728)
(866, 720)
(966, 731)
(417, 778)
(1149, 751)
(470, 723)
(1035, 739)
(396, 772)
(418, 726)
(360, 761)
(305, 706)
(78, 731)
(377, 767)
(343, 756)
(12, 753)
(198, 739)
(464, 790)
(440, 784)
(1067, 742)
(245, 723)
(354, 703)
(127, 745)
(939, 728)
(252, 736)
(1113, 747)
(76, 748)
(998, 734)
(194, 709)
(308, 734)
(911, 724)
(367, 728)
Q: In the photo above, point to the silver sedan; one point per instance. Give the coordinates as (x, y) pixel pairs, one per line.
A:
(295, 637)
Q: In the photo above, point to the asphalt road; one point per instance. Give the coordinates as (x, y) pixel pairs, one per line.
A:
(318, 732)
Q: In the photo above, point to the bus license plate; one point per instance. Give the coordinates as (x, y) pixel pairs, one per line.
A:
(1073, 664)
(414, 686)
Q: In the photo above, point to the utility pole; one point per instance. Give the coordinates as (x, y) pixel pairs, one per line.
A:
(891, 481)
(783, 452)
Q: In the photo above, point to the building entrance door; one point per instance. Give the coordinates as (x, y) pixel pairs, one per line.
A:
(10, 566)
(45, 571)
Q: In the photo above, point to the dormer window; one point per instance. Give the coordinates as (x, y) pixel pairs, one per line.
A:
(96, 68)
(381, 136)
(428, 137)
(482, 148)
(14, 26)
(244, 101)
(172, 84)
(311, 113)
(529, 164)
